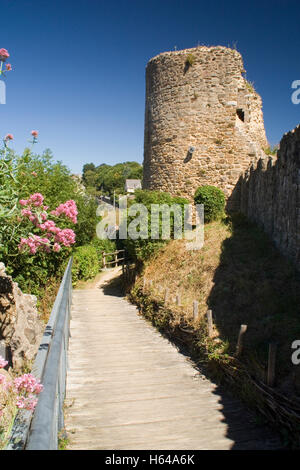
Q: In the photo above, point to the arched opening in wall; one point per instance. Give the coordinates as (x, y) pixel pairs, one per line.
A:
(240, 113)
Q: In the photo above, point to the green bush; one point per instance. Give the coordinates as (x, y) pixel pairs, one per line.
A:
(214, 202)
(190, 60)
(85, 263)
(143, 248)
(106, 246)
(21, 176)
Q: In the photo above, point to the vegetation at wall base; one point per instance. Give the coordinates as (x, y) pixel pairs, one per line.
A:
(213, 199)
(143, 249)
(88, 259)
(243, 279)
(272, 408)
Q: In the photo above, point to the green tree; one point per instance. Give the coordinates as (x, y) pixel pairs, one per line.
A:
(107, 179)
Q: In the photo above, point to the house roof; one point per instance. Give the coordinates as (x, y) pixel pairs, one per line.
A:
(133, 184)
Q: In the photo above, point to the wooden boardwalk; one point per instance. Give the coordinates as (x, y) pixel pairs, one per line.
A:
(132, 389)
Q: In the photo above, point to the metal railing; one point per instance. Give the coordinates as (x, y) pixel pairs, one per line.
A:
(39, 430)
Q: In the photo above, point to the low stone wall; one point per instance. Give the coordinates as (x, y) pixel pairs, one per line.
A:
(270, 195)
(21, 329)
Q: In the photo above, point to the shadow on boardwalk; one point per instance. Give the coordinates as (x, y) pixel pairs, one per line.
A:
(113, 287)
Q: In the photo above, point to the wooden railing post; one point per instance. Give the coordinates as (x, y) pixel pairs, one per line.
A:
(195, 310)
(103, 255)
(239, 345)
(209, 323)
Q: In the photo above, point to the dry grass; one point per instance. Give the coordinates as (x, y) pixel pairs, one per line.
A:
(7, 413)
(241, 276)
(91, 283)
(46, 299)
(189, 273)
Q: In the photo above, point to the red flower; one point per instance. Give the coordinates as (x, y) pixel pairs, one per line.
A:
(8, 67)
(3, 55)
(8, 137)
(34, 134)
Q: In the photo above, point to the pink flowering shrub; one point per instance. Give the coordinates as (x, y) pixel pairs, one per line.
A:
(51, 237)
(22, 391)
(3, 362)
(4, 55)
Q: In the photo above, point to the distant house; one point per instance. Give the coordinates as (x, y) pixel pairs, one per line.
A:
(132, 185)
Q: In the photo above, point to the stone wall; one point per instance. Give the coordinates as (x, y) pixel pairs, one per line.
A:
(207, 105)
(21, 330)
(270, 195)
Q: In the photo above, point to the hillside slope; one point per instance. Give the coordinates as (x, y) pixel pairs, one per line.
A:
(243, 279)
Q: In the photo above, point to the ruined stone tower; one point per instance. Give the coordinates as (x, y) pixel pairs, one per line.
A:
(203, 122)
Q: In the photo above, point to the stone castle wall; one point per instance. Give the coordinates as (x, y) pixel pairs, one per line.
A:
(270, 195)
(207, 105)
(21, 330)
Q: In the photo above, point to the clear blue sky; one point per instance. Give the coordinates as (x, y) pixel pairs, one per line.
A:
(79, 66)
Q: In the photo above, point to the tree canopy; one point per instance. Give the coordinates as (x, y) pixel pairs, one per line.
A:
(105, 179)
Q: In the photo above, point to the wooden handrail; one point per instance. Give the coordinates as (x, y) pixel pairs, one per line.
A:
(115, 261)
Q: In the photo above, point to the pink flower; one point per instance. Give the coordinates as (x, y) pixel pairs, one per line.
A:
(27, 383)
(34, 243)
(27, 403)
(34, 173)
(50, 226)
(8, 137)
(3, 362)
(3, 54)
(69, 208)
(34, 134)
(8, 67)
(23, 202)
(56, 247)
(37, 199)
(65, 237)
(26, 212)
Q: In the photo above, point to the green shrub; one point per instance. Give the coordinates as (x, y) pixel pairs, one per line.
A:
(142, 249)
(271, 150)
(190, 60)
(214, 202)
(106, 246)
(85, 263)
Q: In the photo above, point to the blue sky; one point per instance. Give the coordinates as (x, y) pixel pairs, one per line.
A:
(79, 67)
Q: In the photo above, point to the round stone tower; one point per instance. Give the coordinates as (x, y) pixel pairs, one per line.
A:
(203, 122)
